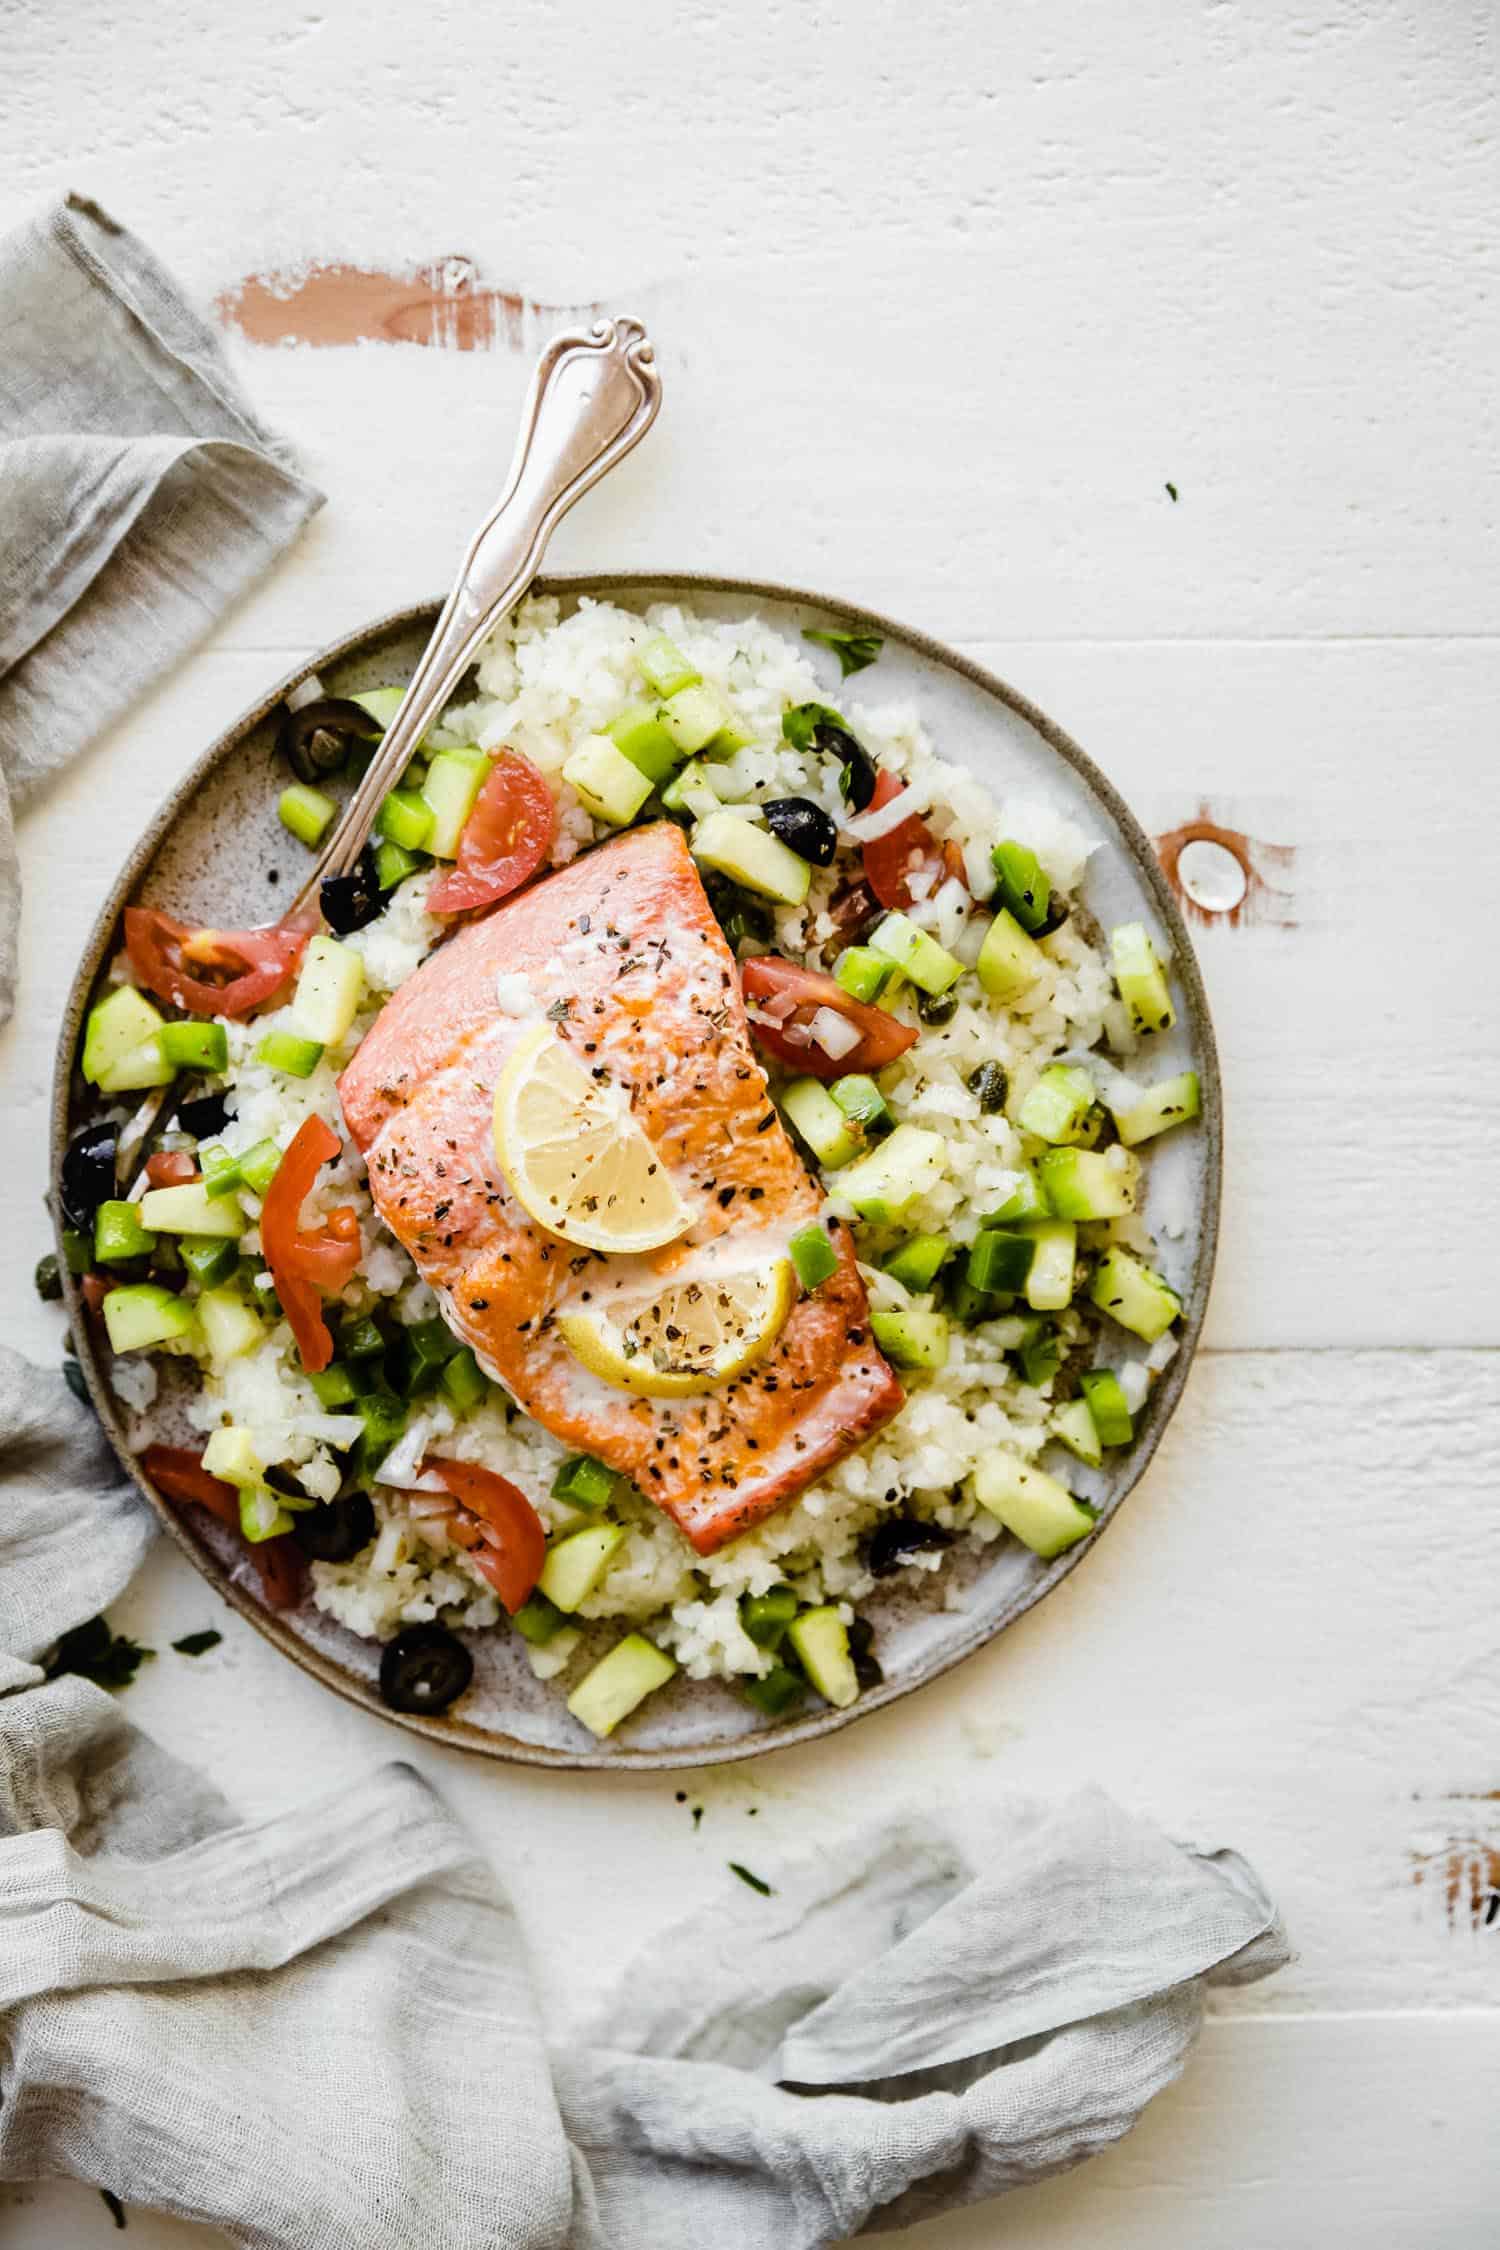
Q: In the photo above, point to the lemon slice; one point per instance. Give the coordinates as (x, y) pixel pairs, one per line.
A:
(693, 1336)
(576, 1158)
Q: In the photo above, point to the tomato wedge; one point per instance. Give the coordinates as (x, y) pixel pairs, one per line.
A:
(505, 840)
(796, 994)
(891, 860)
(511, 1545)
(171, 1168)
(250, 965)
(328, 1255)
(282, 1238)
(178, 1473)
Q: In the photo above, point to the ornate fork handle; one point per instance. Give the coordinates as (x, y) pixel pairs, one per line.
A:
(591, 399)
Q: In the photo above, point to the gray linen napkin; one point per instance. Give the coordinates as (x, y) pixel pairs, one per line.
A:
(139, 497)
(318, 2029)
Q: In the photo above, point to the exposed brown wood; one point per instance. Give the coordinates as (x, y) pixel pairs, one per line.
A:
(445, 304)
(1268, 896)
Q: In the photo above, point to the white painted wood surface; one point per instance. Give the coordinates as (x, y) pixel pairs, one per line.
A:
(946, 297)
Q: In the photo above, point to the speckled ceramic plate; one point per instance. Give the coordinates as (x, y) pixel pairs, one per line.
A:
(217, 851)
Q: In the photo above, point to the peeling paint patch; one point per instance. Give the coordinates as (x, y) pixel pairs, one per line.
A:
(1222, 876)
(445, 305)
(1459, 1869)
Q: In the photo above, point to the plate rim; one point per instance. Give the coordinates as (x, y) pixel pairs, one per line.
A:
(597, 1757)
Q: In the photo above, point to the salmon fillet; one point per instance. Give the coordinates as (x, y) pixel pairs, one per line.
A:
(621, 952)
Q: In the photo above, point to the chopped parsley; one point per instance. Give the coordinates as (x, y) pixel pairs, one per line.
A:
(197, 1644)
(754, 1881)
(97, 1654)
(855, 651)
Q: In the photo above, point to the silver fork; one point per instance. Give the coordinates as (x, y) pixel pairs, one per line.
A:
(592, 398)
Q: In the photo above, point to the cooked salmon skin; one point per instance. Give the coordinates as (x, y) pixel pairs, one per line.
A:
(620, 952)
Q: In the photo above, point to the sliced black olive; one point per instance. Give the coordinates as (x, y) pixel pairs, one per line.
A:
(336, 1530)
(1101, 1127)
(349, 901)
(893, 1543)
(204, 1117)
(862, 1648)
(48, 1278)
(991, 1083)
(937, 1007)
(88, 1174)
(803, 827)
(73, 1377)
(424, 1669)
(1057, 913)
(816, 727)
(315, 740)
(282, 1480)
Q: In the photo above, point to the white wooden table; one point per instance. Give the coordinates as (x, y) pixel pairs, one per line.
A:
(1150, 354)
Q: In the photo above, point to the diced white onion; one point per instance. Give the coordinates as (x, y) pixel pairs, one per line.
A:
(310, 690)
(869, 827)
(1135, 1383)
(834, 1033)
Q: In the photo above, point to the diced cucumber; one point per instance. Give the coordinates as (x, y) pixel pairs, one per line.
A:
(1040, 1511)
(142, 1315)
(821, 1640)
(119, 1025)
(1074, 1426)
(259, 1166)
(1058, 1104)
(382, 703)
(262, 1515)
(230, 1326)
(930, 966)
(454, 780)
(210, 1259)
(607, 783)
(912, 1336)
(1025, 889)
(1141, 978)
(694, 717)
(334, 1386)
(919, 1261)
(642, 736)
(144, 1066)
(230, 1453)
(1040, 1352)
(586, 1483)
(393, 864)
(1105, 1400)
(463, 1381)
(77, 1250)
(821, 1123)
(619, 1682)
(221, 1171)
(1172, 1102)
(969, 1306)
(1049, 1285)
(777, 1692)
(284, 1051)
(663, 666)
(1132, 1294)
(883, 1184)
(753, 856)
(330, 987)
(1000, 1260)
(813, 1256)
(862, 972)
(1081, 1183)
(194, 1046)
(1025, 1201)
(733, 735)
(119, 1235)
(306, 812)
(863, 1104)
(406, 819)
(1009, 961)
(766, 1616)
(191, 1210)
(538, 1620)
(691, 791)
(575, 1565)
